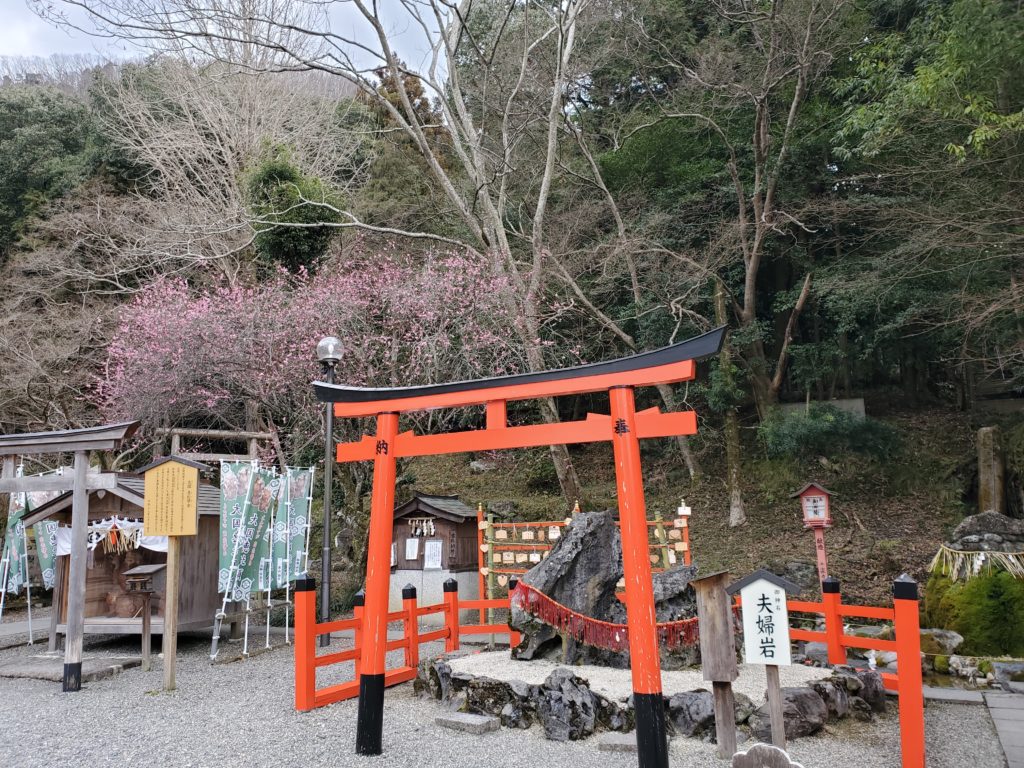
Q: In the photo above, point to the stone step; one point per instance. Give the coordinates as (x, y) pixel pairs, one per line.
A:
(953, 695)
(464, 721)
(618, 742)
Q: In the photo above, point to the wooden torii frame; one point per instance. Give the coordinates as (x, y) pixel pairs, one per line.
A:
(80, 442)
(624, 427)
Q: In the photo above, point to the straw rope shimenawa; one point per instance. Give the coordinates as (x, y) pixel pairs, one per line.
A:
(594, 632)
(961, 564)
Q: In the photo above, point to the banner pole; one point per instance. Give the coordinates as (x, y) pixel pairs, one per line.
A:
(6, 564)
(287, 548)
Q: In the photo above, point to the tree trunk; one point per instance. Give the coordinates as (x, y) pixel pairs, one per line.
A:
(668, 397)
(737, 510)
(568, 480)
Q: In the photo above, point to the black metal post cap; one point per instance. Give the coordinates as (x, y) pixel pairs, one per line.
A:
(451, 585)
(360, 598)
(408, 592)
(904, 588)
(305, 584)
(830, 586)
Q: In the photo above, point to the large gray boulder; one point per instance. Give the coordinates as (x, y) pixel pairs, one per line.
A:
(803, 712)
(988, 532)
(581, 572)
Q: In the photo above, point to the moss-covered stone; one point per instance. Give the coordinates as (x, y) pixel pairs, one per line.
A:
(941, 664)
(987, 610)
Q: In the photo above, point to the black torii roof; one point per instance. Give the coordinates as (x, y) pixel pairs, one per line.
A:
(697, 348)
(787, 585)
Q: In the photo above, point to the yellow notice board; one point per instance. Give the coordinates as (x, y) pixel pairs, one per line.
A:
(171, 499)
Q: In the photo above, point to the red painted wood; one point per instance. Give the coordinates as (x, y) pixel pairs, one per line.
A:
(640, 614)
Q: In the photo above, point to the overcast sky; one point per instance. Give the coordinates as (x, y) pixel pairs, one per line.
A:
(23, 33)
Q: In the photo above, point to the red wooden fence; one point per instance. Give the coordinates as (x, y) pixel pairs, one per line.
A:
(903, 614)
(307, 630)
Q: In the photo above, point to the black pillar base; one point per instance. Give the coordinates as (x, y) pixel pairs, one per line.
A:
(370, 717)
(651, 741)
(73, 677)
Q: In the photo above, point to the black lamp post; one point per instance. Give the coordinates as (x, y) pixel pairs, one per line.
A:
(328, 352)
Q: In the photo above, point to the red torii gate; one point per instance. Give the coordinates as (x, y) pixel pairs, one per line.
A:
(624, 427)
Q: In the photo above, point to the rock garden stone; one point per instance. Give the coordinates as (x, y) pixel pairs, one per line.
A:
(944, 641)
(566, 707)
(836, 698)
(803, 711)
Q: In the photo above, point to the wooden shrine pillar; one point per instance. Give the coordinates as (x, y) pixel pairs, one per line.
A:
(641, 621)
(76, 575)
(370, 715)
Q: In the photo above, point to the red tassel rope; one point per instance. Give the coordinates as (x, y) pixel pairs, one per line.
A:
(600, 634)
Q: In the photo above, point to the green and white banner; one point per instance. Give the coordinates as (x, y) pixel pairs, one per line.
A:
(288, 551)
(253, 556)
(236, 479)
(46, 550)
(14, 546)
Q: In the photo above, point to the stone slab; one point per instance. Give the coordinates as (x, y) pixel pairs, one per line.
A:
(618, 742)
(463, 721)
(953, 695)
(1004, 701)
(52, 667)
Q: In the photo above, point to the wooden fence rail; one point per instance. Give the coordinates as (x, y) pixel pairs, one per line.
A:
(307, 630)
(906, 681)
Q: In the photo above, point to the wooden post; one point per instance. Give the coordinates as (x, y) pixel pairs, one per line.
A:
(775, 712)
(991, 471)
(76, 577)
(57, 600)
(358, 603)
(170, 645)
(718, 655)
(451, 618)
(725, 719)
(831, 599)
(490, 565)
(819, 552)
(305, 644)
(644, 655)
(370, 712)
(481, 556)
(147, 620)
(908, 663)
(412, 626)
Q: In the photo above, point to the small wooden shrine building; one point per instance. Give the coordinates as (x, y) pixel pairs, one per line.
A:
(435, 539)
(116, 545)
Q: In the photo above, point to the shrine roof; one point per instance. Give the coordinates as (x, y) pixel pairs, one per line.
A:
(445, 507)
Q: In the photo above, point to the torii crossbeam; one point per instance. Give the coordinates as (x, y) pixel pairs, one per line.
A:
(624, 427)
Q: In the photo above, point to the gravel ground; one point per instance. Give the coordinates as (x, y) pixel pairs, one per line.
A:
(615, 684)
(242, 713)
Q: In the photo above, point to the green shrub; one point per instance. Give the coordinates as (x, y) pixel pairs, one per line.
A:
(988, 610)
(824, 430)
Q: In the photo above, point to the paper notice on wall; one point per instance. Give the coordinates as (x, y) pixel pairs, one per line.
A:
(432, 555)
(412, 549)
(553, 532)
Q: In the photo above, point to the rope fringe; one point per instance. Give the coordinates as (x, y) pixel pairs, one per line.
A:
(594, 632)
(962, 565)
